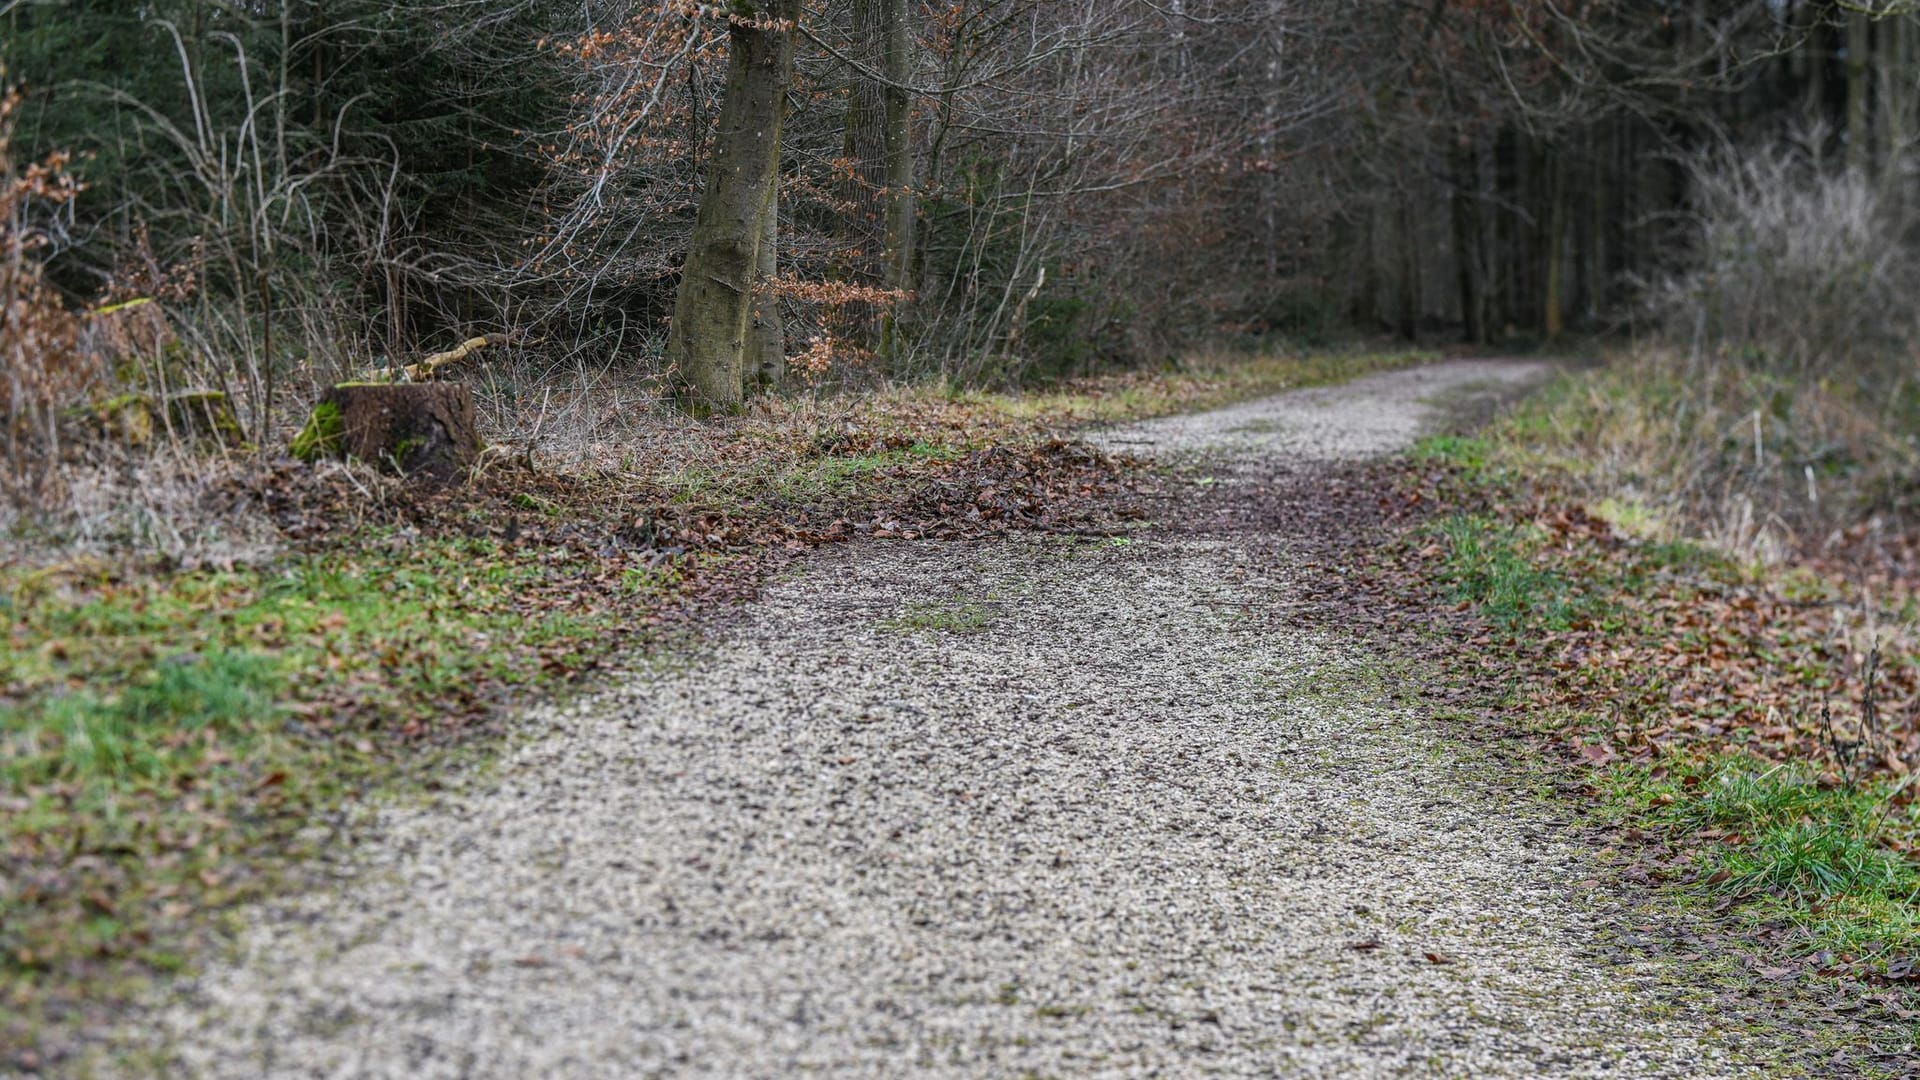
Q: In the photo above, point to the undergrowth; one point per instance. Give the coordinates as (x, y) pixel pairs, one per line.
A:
(1755, 462)
(1746, 715)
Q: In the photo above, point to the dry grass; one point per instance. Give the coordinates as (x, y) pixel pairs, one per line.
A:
(582, 414)
(1758, 464)
(1795, 268)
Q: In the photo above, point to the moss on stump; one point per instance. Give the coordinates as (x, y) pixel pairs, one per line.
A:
(418, 429)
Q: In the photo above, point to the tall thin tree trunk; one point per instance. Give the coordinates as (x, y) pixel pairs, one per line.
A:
(1465, 166)
(1366, 300)
(898, 143)
(1859, 133)
(1554, 316)
(879, 144)
(1893, 85)
(1409, 290)
(708, 342)
(1504, 235)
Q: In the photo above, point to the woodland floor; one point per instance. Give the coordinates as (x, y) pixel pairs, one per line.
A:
(1054, 805)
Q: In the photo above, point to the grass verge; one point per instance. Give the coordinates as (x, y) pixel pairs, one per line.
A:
(1748, 726)
(169, 743)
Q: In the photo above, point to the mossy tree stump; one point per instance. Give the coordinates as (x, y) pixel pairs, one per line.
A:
(418, 429)
(136, 420)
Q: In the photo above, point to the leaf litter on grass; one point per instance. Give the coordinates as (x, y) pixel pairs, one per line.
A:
(1753, 733)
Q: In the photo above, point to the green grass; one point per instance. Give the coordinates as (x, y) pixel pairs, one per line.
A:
(1469, 454)
(163, 739)
(152, 730)
(1787, 847)
(959, 615)
(825, 477)
(1490, 564)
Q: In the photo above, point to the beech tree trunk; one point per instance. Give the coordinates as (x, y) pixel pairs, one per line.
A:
(767, 342)
(712, 312)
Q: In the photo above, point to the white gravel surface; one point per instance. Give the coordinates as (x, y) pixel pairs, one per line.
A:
(1365, 418)
(1130, 822)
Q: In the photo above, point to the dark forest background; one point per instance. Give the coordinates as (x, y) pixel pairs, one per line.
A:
(293, 190)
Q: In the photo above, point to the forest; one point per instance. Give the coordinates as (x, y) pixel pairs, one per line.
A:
(980, 192)
(377, 374)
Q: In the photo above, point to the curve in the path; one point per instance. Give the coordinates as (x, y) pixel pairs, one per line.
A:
(1020, 809)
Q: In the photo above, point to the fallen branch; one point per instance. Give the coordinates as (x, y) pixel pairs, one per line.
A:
(425, 369)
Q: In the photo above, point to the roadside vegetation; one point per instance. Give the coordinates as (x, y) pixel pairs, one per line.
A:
(1696, 573)
(1749, 724)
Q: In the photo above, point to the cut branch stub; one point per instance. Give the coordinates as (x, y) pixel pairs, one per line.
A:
(419, 429)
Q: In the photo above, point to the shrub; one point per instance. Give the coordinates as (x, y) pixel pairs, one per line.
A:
(1795, 269)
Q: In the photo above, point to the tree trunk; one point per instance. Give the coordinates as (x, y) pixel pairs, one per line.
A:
(1815, 55)
(1366, 301)
(1893, 85)
(708, 342)
(879, 144)
(1503, 232)
(898, 144)
(1859, 136)
(767, 359)
(1553, 318)
(1409, 290)
(1466, 237)
(1587, 229)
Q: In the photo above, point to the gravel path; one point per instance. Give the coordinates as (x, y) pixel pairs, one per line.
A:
(1034, 808)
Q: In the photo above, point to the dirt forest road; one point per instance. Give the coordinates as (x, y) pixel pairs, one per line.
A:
(1032, 808)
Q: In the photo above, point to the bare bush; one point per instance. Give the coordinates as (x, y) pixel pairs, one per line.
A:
(40, 339)
(1796, 269)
